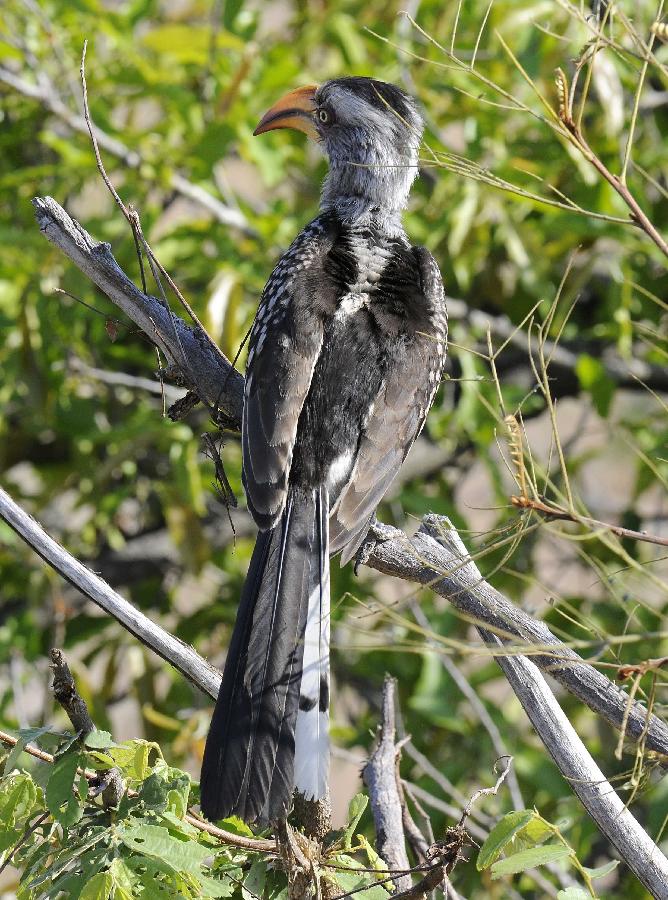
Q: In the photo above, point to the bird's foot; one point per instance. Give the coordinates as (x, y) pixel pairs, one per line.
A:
(378, 533)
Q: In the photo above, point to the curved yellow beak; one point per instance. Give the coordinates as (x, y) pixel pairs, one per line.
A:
(295, 110)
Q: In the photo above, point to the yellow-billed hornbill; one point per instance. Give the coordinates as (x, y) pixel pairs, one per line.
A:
(344, 359)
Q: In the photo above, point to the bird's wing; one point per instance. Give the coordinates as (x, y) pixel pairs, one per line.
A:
(398, 414)
(283, 349)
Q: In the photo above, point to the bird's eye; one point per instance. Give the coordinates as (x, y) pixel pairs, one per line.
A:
(323, 116)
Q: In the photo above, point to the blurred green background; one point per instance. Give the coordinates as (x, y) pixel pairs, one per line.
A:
(84, 445)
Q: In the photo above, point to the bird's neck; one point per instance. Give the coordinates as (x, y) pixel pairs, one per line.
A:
(369, 193)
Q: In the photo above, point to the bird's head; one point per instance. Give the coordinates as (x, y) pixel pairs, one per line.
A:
(370, 132)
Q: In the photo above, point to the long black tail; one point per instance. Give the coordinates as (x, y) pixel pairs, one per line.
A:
(249, 759)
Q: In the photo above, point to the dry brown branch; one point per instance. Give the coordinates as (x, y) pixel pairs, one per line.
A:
(650, 665)
(557, 512)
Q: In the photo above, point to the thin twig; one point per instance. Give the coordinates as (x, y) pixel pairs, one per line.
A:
(557, 512)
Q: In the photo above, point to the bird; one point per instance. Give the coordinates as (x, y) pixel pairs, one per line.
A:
(345, 356)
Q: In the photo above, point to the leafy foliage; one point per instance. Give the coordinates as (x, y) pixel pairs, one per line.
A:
(65, 840)
(84, 447)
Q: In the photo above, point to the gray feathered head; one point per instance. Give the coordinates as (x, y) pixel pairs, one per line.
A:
(370, 131)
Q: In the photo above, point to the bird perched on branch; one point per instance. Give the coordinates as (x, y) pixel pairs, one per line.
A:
(344, 359)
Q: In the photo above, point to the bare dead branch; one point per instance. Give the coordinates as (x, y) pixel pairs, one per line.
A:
(204, 371)
(381, 778)
(597, 795)
(66, 693)
(437, 558)
(180, 655)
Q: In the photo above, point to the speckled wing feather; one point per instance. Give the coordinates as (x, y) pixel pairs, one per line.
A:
(283, 348)
(398, 414)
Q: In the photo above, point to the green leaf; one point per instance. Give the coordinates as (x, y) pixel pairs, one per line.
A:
(501, 835)
(362, 885)
(355, 812)
(17, 798)
(123, 876)
(214, 887)
(154, 792)
(253, 884)
(98, 888)
(594, 378)
(99, 740)
(157, 842)
(528, 859)
(536, 831)
(25, 736)
(59, 790)
(574, 893)
(236, 826)
(602, 871)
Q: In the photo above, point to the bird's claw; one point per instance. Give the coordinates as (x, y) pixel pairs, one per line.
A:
(375, 535)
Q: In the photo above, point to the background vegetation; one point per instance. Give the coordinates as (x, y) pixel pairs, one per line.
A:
(85, 447)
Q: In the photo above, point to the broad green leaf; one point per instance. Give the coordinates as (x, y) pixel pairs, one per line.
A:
(140, 762)
(59, 790)
(18, 795)
(355, 812)
(501, 835)
(253, 883)
(361, 883)
(535, 832)
(157, 842)
(528, 859)
(236, 826)
(601, 871)
(214, 887)
(121, 893)
(99, 740)
(594, 378)
(123, 876)
(98, 888)
(154, 792)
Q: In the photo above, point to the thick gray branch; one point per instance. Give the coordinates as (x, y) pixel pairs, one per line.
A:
(437, 558)
(206, 372)
(598, 797)
(196, 669)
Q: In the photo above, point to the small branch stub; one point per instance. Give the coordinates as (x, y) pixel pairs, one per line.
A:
(381, 778)
(65, 692)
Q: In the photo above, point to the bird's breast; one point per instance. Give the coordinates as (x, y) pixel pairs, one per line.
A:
(370, 259)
